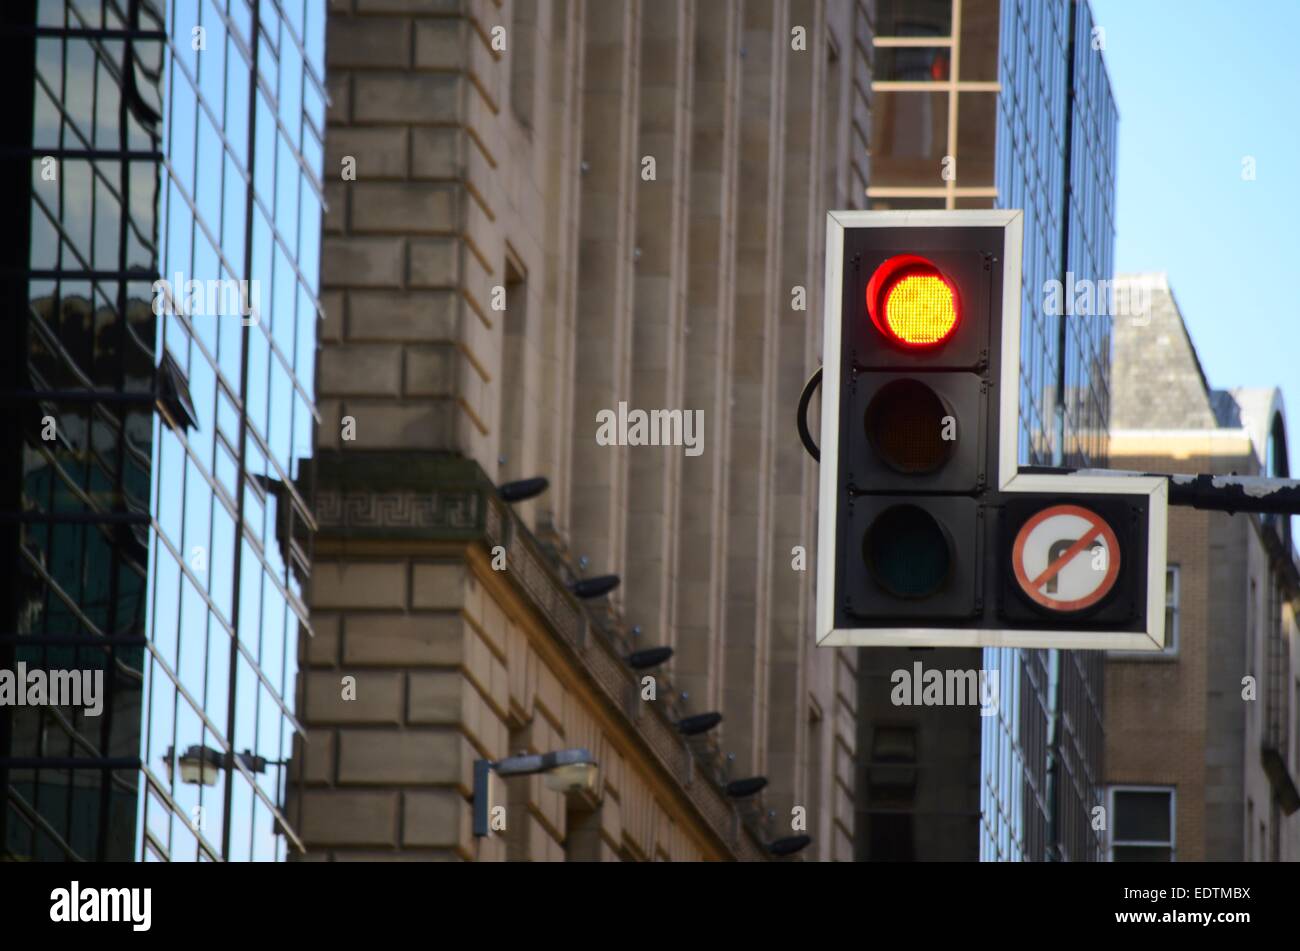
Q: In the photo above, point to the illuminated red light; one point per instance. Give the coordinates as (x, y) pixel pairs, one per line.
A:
(912, 302)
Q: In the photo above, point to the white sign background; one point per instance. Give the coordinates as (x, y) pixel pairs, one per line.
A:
(1086, 576)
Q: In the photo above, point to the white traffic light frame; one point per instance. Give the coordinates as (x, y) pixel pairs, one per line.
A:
(1010, 479)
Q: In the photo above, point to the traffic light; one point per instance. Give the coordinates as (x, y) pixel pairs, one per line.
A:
(915, 325)
(925, 534)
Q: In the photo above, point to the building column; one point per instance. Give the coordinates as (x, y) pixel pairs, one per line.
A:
(610, 103)
(752, 390)
(710, 306)
(658, 342)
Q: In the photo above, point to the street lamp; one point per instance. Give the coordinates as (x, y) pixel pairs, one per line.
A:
(523, 489)
(200, 765)
(649, 657)
(789, 845)
(740, 788)
(588, 588)
(700, 723)
(563, 771)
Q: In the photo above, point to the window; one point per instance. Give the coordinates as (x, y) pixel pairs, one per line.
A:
(1250, 825)
(523, 31)
(909, 138)
(912, 64)
(977, 124)
(1142, 824)
(979, 40)
(1171, 609)
(891, 775)
(914, 18)
(891, 794)
(514, 374)
(1250, 628)
(1171, 622)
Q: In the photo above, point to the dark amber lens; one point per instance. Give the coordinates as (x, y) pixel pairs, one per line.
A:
(906, 423)
(907, 552)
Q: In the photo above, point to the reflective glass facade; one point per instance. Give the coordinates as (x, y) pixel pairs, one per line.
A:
(159, 371)
(1056, 118)
(1041, 133)
(1007, 104)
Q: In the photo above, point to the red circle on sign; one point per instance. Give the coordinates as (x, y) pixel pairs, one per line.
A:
(1101, 528)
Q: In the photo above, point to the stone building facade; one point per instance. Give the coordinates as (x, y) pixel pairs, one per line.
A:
(1202, 752)
(537, 212)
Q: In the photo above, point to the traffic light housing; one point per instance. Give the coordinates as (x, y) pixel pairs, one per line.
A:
(916, 325)
(922, 500)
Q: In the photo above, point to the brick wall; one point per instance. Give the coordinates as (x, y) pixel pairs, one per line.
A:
(1178, 720)
(443, 676)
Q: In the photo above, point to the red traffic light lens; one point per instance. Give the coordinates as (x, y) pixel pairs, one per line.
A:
(920, 309)
(912, 302)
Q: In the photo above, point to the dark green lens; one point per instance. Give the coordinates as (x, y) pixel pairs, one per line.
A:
(907, 552)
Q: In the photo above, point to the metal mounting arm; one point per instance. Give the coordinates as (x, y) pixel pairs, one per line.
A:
(1217, 493)
(801, 418)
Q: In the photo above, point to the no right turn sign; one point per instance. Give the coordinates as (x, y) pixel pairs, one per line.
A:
(1066, 558)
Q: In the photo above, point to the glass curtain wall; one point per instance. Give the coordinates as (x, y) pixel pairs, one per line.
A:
(165, 322)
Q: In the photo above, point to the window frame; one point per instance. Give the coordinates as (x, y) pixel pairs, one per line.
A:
(1173, 600)
(1173, 605)
(1111, 843)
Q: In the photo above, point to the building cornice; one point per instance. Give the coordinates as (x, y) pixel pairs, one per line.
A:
(1180, 443)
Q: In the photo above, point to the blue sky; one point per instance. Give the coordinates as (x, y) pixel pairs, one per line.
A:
(1200, 85)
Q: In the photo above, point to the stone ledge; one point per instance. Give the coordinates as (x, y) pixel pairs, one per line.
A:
(439, 497)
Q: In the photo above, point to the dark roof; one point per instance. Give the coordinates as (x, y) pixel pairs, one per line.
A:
(1156, 378)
